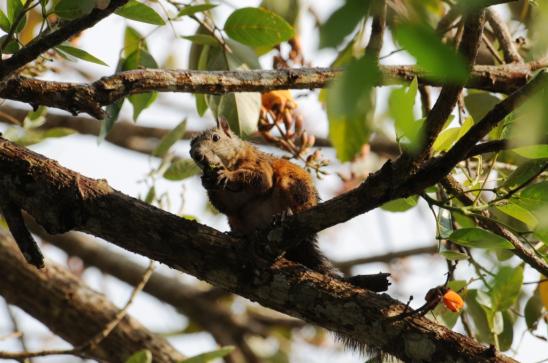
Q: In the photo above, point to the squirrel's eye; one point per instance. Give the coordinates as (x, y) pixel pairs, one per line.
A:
(215, 137)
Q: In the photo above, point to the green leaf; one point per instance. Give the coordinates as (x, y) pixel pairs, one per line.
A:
(15, 7)
(287, 9)
(454, 255)
(36, 118)
(478, 316)
(538, 191)
(72, 9)
(142, 356)
(438, 60)
(133, 40)
(258, 27)
(112, 110)
(484, 299)
(351, 100)
(209, 356)
(519, 213)
(4, 22)
(170, 139)
(137, 11)
(201, 104)
(506, 337)
(204, 39)
(240, 109)
(506, 288)
(504, 255)
(497, 323)
(533, 151)
(342, 22)
(140, 59)
(524, 172)
(81, 54)
(401, 204)
(479, 238)
(444, 223)
(11, 47)
(478, 103)
(142, 101)
(448, 137)
(58, 132)
(181, 169)
(533, 310)
(193, 9)
(400, 108)
(33, 136)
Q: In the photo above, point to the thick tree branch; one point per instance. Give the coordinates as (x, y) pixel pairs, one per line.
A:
(44, 295)
(83, 97)
(41, 44)
(63, 200)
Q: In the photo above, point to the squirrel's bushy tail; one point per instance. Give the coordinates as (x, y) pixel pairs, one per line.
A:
(308, 254)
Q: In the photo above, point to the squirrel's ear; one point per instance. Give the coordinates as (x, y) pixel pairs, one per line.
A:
(222, 123)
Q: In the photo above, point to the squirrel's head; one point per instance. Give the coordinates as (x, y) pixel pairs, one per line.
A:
(215, 147)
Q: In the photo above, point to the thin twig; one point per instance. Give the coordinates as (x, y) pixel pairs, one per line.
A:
(97, 339)
(503, 35)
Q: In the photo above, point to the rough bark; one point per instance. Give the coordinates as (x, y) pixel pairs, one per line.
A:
(72, 310)
(89, 98)
(61, 200)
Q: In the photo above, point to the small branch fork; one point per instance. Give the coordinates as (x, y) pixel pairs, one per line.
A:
(81, 349)
(26, 243)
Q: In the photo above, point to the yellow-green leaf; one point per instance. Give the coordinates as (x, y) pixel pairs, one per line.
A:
(258, 27)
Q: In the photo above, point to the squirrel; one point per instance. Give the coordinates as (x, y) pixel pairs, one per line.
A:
(252, 188)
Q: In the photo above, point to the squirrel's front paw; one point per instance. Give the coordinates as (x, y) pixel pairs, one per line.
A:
(223, 177)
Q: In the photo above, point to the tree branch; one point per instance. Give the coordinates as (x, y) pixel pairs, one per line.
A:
(500, 30)
(41, 44)
(76, 319)
(449, 95)
(523, 251)
(63, 200)
(386, 257)
(90, 97)
(212, 317)
(144, 139)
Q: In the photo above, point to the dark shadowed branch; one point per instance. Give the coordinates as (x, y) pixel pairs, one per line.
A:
(78, 319)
